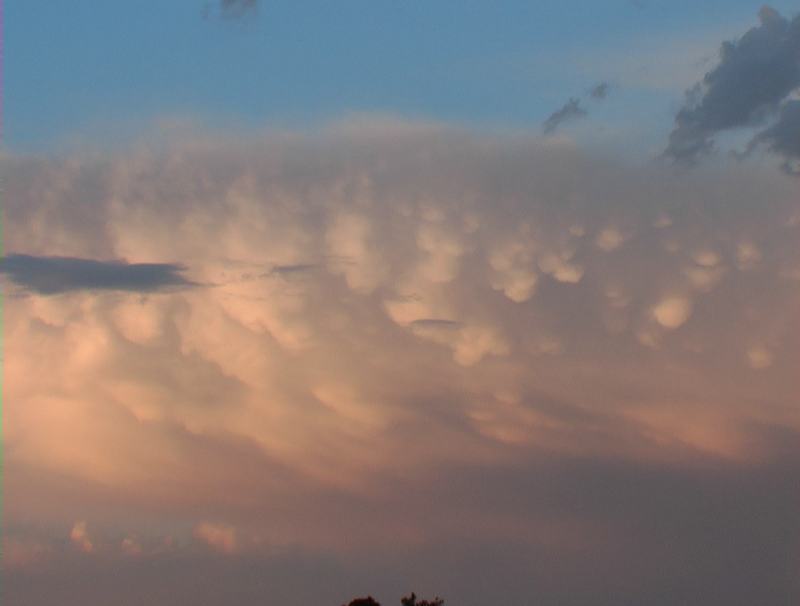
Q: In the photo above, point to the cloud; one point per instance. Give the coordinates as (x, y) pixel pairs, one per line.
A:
(56, 275)
(573, 110)
(418, 345)
(217, 536)
(672, 312)
(599, 91)
(754, 77)
(783, 137)
(237, 9)
(570, 111)
(80, 537)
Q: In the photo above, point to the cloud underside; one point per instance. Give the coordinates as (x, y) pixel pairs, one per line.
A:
(56, 275)
(513, 367)
(752, 85)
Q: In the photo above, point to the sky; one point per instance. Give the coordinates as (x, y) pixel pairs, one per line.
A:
(106, 70)
(307, 301)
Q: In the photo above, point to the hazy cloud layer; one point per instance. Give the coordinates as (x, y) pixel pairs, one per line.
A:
(755, 75)
(424, 359)
(55, 275)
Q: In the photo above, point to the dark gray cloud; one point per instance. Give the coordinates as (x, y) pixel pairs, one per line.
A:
(56, 275)
(783, 138)
(754, 76)
(299, 268)
(571, 110)
(599, 91)
(436, 322)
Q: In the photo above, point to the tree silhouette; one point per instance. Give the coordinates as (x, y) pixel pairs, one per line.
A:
(406, 601)
(412, 601)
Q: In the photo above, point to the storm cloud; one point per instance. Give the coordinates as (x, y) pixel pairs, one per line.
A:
(751, 84)
(458, 363)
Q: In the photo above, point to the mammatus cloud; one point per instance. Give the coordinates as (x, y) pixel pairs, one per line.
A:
(55, 275)
(417, 346)
(751, 84)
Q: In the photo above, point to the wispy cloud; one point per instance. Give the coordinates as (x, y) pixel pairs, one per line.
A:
(600, 91)
(571, 110)
(237, 9)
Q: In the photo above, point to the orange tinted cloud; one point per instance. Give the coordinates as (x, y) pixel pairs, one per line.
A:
(432, 307)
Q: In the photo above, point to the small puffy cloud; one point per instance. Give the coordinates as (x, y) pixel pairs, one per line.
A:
(219, 537)
(748, 255)
(706, 258)
(759, 357)
(560, 268)
(476, 342)
(513, 270)
(610, 238)
(80, 537)
(704, 279)
(355, 252)
(672, 312)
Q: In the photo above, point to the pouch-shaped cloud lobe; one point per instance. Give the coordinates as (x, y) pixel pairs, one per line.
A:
(412, 347)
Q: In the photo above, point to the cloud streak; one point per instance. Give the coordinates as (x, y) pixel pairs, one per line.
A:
(570, 111)
(56, 275)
